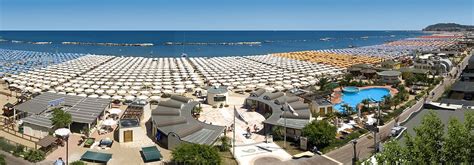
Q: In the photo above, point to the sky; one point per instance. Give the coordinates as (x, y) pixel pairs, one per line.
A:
(231, 14)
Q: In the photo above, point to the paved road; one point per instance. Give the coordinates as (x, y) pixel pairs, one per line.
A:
(365, 144)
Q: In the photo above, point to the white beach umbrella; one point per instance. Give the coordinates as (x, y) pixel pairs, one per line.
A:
(62, 132)
(142, 97)
(117, 97)
(109, 122)
(129, 97)
(82, 95)
(36, 90)
(114, 111)
(105, 97)
(79, 90)
(99, 91)
(155, 98)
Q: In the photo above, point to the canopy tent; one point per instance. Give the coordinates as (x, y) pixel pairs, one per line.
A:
(96, 157)
(151, 154)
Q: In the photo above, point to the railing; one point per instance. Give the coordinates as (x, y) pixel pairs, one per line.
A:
(20, 135)
(14, 143)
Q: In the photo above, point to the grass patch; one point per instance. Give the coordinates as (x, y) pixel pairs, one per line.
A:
(290, 147)
(228, 158)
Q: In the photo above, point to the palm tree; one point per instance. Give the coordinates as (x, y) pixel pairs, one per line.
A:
(323, 82)
(331, 117)
(366, 102)
(347, 109)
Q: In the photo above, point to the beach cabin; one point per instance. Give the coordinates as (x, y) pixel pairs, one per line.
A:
(172, 124)
(276, 107)
(217, 95)
(321, 107)
(389, 77)
(85, 112)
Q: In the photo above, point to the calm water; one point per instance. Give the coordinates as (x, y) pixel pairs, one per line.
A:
(352, 99)
(197, 43)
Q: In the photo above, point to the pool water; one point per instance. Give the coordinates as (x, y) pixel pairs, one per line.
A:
(354, 98)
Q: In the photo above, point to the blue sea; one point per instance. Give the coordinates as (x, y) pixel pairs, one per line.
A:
(195, 43)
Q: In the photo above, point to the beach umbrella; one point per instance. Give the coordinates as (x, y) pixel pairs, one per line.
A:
(180, 91)
(129, 97)
(110, 91)
(142, 97)
(82, 95)
(62, 132)
(133, 92)
(114, 111)
(79, 90)
(155, 98)
(36, 90)
(109, 122)
(105, 97)
(117, 97)
(99, 91)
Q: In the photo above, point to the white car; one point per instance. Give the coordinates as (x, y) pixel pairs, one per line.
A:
(396, 131)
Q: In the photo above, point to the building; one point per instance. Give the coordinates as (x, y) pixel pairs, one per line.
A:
(438, 63)
(389, 77)
(217, 95)
(37, 112)
(128, 128)
(273, 107)
(462, 90)
(173, 124)
(321, 106)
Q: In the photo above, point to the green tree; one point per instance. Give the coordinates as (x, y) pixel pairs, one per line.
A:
(2, 160)
(323, 82)
(320, 133)
(225, 143)
(34, 155)
(196, 154)
(456, 143)
(429, 137)
(347, 80)
(365, 103)
(469, 126)
(392, 153)
(278, 132)
(60, 118)
(348, 110)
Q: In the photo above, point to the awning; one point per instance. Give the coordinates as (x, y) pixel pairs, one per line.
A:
(46, 141)
(96, 157)
(151, 154)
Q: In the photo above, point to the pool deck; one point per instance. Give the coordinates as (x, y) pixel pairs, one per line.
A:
(337, 94)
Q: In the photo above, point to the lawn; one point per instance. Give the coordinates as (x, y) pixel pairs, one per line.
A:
(228, 158)
(290, 147)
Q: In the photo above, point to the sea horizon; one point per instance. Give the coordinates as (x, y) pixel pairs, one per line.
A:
(196, 43)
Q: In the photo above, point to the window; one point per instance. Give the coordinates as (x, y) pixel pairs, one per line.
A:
(219, 98)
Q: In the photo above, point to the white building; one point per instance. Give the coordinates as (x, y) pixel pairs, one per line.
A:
(217, 95)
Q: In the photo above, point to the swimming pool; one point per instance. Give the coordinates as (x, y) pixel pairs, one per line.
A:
(354, 98)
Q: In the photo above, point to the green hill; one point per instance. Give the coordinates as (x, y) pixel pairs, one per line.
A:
(449, 27)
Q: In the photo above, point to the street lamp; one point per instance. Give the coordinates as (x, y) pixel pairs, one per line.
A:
(375, 128)
(354, 158)
(284, 118)
(64, 133)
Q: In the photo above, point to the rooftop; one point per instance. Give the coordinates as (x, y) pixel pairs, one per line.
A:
(173, 116)
(463, 86)
(217, 90)
(389, 73)
(280, 111)
(82, 109)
